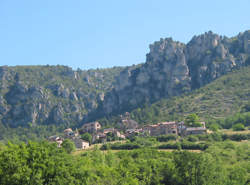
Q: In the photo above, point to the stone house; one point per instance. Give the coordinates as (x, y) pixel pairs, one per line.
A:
(161, 128)
(183, 130)
(114, 131)
(107, 130)
(119, 135)
(131, 131)
(102, 136)
(80, 144)
(69, 133)
(56, 139)
(125, 124)
(92, 127)
(99, 136)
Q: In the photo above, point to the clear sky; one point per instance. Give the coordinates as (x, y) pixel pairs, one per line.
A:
(105, 33)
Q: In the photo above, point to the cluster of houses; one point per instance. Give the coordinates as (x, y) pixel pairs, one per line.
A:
(99, 134)
(125, 129)
(73, 136)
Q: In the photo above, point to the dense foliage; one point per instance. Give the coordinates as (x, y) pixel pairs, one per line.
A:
(228, 122)
(87, 137)
(185, 145)
(68, 146)
(192, 120)
(43, 163)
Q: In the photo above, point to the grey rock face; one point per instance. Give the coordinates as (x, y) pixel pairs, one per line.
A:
(45, 95)
(172, 68)
(61, 96)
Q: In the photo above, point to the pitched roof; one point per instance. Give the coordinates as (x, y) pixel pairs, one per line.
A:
(68, 130)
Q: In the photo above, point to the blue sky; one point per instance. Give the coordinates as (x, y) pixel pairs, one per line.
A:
(105, 33)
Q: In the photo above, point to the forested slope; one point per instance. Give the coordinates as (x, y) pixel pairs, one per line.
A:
(221, 98)
(36, 101)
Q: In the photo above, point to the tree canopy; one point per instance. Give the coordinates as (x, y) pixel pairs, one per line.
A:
(45, 163)
(192, 120)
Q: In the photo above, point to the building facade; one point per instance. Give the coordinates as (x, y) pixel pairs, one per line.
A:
(81, 144)
(92, 127)
(161, 128)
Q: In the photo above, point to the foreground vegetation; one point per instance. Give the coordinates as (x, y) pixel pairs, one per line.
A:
(222, 163)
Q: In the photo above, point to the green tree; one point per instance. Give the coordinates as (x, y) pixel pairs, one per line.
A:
(192, 120)
(214, 127)
(36, 163)
(68, 146)
(87, 137)
(238, 127)
(195, 169)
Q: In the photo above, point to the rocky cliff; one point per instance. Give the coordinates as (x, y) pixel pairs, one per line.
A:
(173, 68)
(50, 95)
(58, 95)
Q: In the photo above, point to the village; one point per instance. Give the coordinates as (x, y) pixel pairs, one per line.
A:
(126, 128)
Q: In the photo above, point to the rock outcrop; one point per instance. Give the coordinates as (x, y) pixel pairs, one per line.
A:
(173, 68)
(58, 95)
(50, 95)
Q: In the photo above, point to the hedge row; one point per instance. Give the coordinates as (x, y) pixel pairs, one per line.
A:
(166, 138)
(218, 137)
(184, 145)
(120, 146)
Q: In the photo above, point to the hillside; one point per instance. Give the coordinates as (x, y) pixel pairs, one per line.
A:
(173, 68)
(45, 99)
(41, 100)
(221, 98)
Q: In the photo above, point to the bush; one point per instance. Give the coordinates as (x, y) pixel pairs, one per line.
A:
(193, 146)
(236, 137)
(68, 146)
(166, 138)
(120, 146)
(192, 120)
(214, 127)
(203, 137)
(185, 145)
(169, 146)
(215, 137)
(192, 138)
(87, 137)
(238, 127)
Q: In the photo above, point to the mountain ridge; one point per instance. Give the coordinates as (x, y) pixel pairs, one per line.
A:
(173, 68)
(31, 96)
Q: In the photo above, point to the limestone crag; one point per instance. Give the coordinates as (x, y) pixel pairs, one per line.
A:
(50, 95)
(172, 68)
(60, 96)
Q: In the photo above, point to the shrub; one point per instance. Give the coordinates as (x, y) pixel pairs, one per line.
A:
(68, 146)
(192, 138)
(236, 137)
(87, 137)
(184, 145)
(120, 146)
(215, 137)
(214, 127)
(238, 127)
(166, 138)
